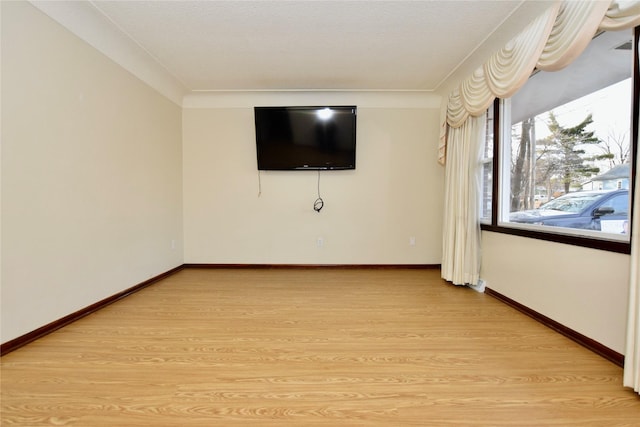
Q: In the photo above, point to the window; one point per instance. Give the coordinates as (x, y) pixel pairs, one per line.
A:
(566, 151)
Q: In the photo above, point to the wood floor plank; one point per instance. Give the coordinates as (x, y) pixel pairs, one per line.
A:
(307, 347)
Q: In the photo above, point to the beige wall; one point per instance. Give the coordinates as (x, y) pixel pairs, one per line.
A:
(583, 289)
(91, 175)
(369, 214)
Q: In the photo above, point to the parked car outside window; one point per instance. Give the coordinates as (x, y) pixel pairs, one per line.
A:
(606, 211)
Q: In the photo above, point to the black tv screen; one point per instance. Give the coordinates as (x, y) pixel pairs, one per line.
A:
(306, 138)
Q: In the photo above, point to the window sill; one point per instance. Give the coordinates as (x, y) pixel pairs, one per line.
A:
(618, 246)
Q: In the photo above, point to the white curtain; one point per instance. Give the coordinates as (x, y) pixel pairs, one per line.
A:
(461, 239)
(632, 351)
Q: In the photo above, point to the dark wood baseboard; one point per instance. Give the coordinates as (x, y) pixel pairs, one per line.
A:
(25, 339)
(311, 266)
(596, 347)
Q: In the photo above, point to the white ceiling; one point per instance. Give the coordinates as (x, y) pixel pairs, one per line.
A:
(312, 44)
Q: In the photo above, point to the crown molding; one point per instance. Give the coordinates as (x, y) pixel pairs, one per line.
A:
(362, 98)
(89, 24)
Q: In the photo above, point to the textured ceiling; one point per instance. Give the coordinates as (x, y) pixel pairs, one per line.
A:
(311, 45)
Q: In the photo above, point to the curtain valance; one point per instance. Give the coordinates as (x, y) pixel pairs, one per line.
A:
(621, 15)
(551, 42)
(575, 25)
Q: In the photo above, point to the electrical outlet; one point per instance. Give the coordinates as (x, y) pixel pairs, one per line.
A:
(412, 241)
(173, 244)
(320, 242)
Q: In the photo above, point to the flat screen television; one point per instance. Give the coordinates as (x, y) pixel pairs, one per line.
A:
(306, 138)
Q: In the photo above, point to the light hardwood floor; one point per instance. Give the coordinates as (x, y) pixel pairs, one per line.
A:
(306, 347)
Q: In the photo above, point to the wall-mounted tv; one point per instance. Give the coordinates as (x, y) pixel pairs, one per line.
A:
(306, 138)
